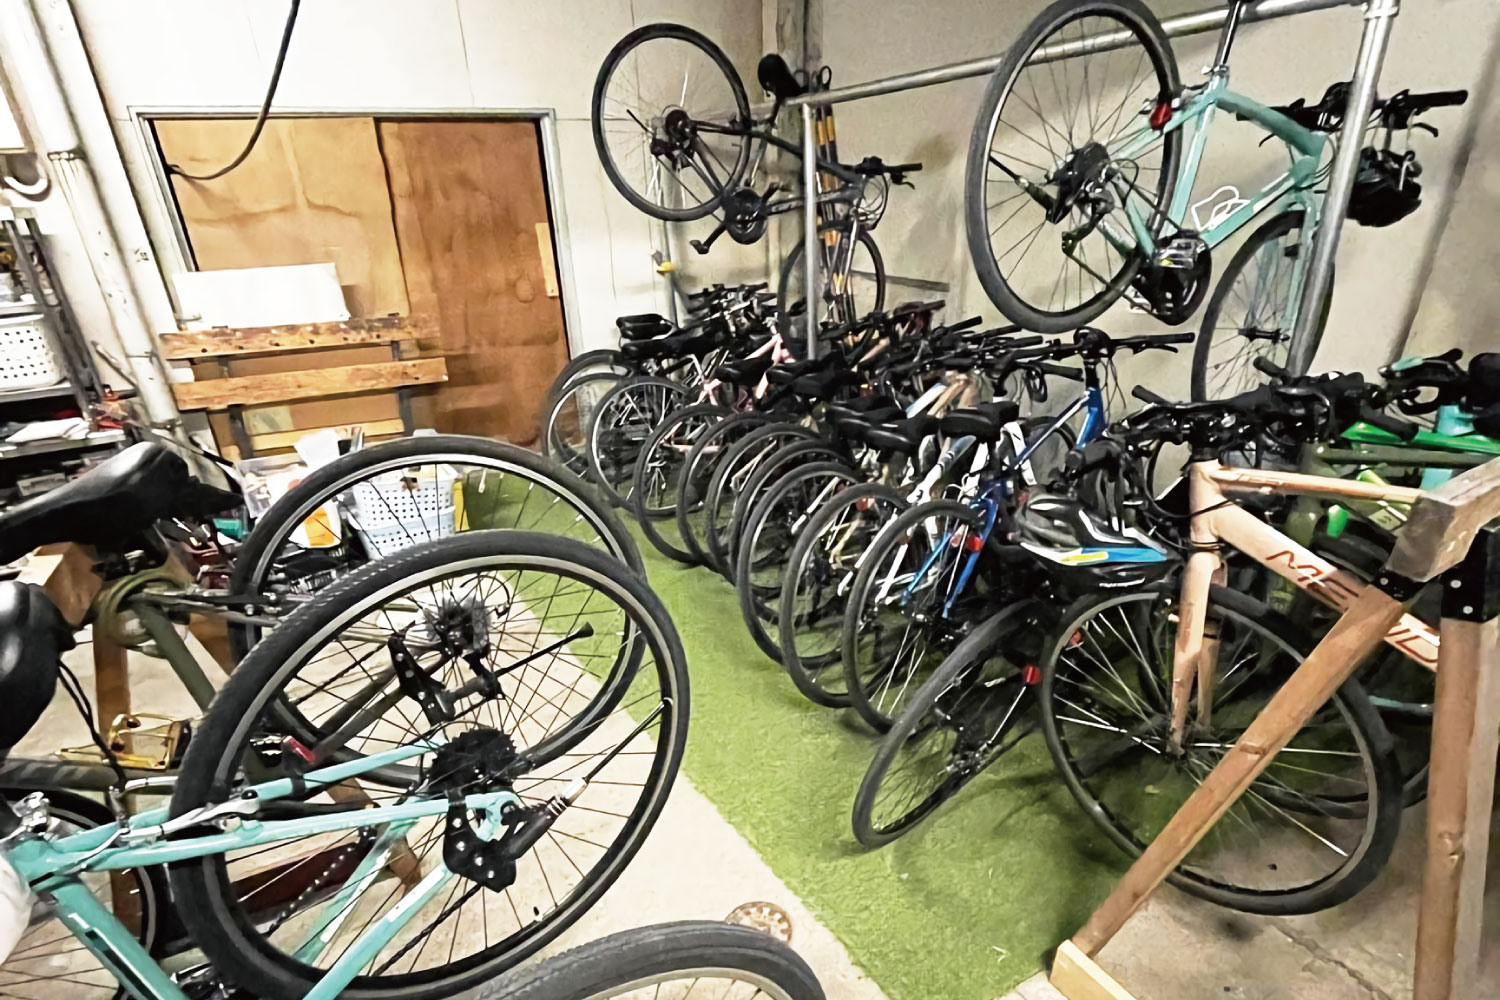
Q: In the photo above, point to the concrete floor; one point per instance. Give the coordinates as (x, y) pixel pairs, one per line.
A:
(694, 865)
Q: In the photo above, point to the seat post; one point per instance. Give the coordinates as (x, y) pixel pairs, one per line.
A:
(1226, 37)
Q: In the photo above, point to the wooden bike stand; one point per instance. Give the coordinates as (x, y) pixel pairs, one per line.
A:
(1448, 535)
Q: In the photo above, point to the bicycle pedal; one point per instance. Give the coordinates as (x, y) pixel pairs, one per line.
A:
(137, 746)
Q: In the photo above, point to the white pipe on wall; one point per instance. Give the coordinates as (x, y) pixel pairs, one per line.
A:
(33, 74)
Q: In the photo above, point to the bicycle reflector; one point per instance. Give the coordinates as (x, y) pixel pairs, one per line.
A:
(1161, 114)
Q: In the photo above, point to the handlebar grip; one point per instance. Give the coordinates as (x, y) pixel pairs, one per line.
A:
(903, 168)
(1147, 396)
(1403, 429)
(1016, 343)
(963, 324)
(1441, 98)
(1266, 366)
(1176, 338)
(1061, 371)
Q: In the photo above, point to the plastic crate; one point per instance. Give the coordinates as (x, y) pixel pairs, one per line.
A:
(26, 358)
(393, 511)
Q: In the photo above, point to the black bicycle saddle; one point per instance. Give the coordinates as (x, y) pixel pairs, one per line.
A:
(776, 78)
(33, 635)
(112, 502)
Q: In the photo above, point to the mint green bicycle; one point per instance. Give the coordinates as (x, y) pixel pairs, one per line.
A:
(1079, 190)
(419, 778)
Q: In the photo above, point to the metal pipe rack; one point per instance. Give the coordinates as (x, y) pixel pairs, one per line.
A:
(1378, 17)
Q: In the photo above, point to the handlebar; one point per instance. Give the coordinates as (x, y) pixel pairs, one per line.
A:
(1403, 429)
(1147, 396)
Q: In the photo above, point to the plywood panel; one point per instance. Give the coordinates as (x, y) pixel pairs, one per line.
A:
(249, 390)
(312, 190)
(468, 197)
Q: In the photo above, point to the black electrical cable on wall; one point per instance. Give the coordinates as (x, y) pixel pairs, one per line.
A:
(265, 108)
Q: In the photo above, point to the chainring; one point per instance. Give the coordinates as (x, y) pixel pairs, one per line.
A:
(1173, 293)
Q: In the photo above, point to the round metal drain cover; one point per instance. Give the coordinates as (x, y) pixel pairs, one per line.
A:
(768, 918)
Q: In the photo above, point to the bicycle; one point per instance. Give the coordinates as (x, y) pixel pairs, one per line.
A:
(678, 139)
(1091, 166)
(454, 775)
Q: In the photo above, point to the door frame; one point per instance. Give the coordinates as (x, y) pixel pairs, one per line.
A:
(175, 258)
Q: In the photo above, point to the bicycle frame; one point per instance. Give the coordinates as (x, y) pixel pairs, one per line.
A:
(52, 867)
(1219, 521)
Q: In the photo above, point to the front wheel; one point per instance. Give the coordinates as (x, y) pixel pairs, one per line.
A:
(1315, 826)
(667, 960)
(1251, 312)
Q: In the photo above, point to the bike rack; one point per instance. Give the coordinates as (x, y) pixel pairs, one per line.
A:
(1452, 536)
(1378, 17)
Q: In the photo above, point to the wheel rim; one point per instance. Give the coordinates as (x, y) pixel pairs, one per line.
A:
(1254, 319)
(1049, 170)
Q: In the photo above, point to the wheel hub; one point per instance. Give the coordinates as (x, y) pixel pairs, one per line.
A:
(1079, 175)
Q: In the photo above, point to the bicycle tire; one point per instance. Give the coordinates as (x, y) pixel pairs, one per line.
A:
(660, 397)
(651, 520)
(698, 472)
(719, 500)
(628, 961)
(807, 666)
(254, 562)
(597, 118)
(914, 720)
(1383, 818)
(232, 943)
(149, 885)
(768, 473)
(793, 264)
(1266, 233)
(755, 607)
(1133, 16)
(606, 359)
(556, 444)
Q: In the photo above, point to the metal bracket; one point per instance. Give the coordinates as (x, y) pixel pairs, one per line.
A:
(1471, 590)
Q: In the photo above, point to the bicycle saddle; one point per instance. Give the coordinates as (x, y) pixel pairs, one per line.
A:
(112, 502)
(744, 371)
(776, 78)
(902, 436)
(33, 635)
(983, 421)
(643, 326)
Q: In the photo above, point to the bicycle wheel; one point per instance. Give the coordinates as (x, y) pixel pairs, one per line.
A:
(819, 576)
(731, 474)
(768, 472)
(392, 495)
(586, 699)
(1048, 180)
(907, 609)
(670, 122)
(675, 961)
(658, 477)
(698, 473)
(859, 288)
(565, 433)
(959, 722)
(625, 417)
(606, 360)
(1250, 313)
(48, 961)
(766, 541)
(1312, 830)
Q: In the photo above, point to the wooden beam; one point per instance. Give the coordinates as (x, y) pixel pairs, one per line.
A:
(1078, 977)
(1442, 523)
(1352, 638)
(1460, 796)
(279, 387)
(229, 342)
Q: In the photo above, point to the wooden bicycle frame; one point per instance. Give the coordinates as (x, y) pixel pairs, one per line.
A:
(1219, 520)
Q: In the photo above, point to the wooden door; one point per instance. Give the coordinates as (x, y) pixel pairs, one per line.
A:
(471, 217)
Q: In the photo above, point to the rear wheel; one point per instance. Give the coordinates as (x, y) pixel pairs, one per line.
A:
(625, 418)
(654, 89)
(1312, 830)
(565, 432)
(855, 289)
(1046, 177)
(698, 474)
(731, 476)
(658, 477)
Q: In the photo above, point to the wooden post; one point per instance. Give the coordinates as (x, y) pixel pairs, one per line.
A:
(1461, 779)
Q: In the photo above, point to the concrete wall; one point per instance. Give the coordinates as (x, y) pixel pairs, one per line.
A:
(1437, 44)
(394, 56)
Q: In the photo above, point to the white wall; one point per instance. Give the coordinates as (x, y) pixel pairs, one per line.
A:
(1437, 44)
(398, 55)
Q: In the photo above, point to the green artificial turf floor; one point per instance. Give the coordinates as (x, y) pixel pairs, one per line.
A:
(963, 907)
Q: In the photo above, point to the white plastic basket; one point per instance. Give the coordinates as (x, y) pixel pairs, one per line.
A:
(26, 358)
(393, 510)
